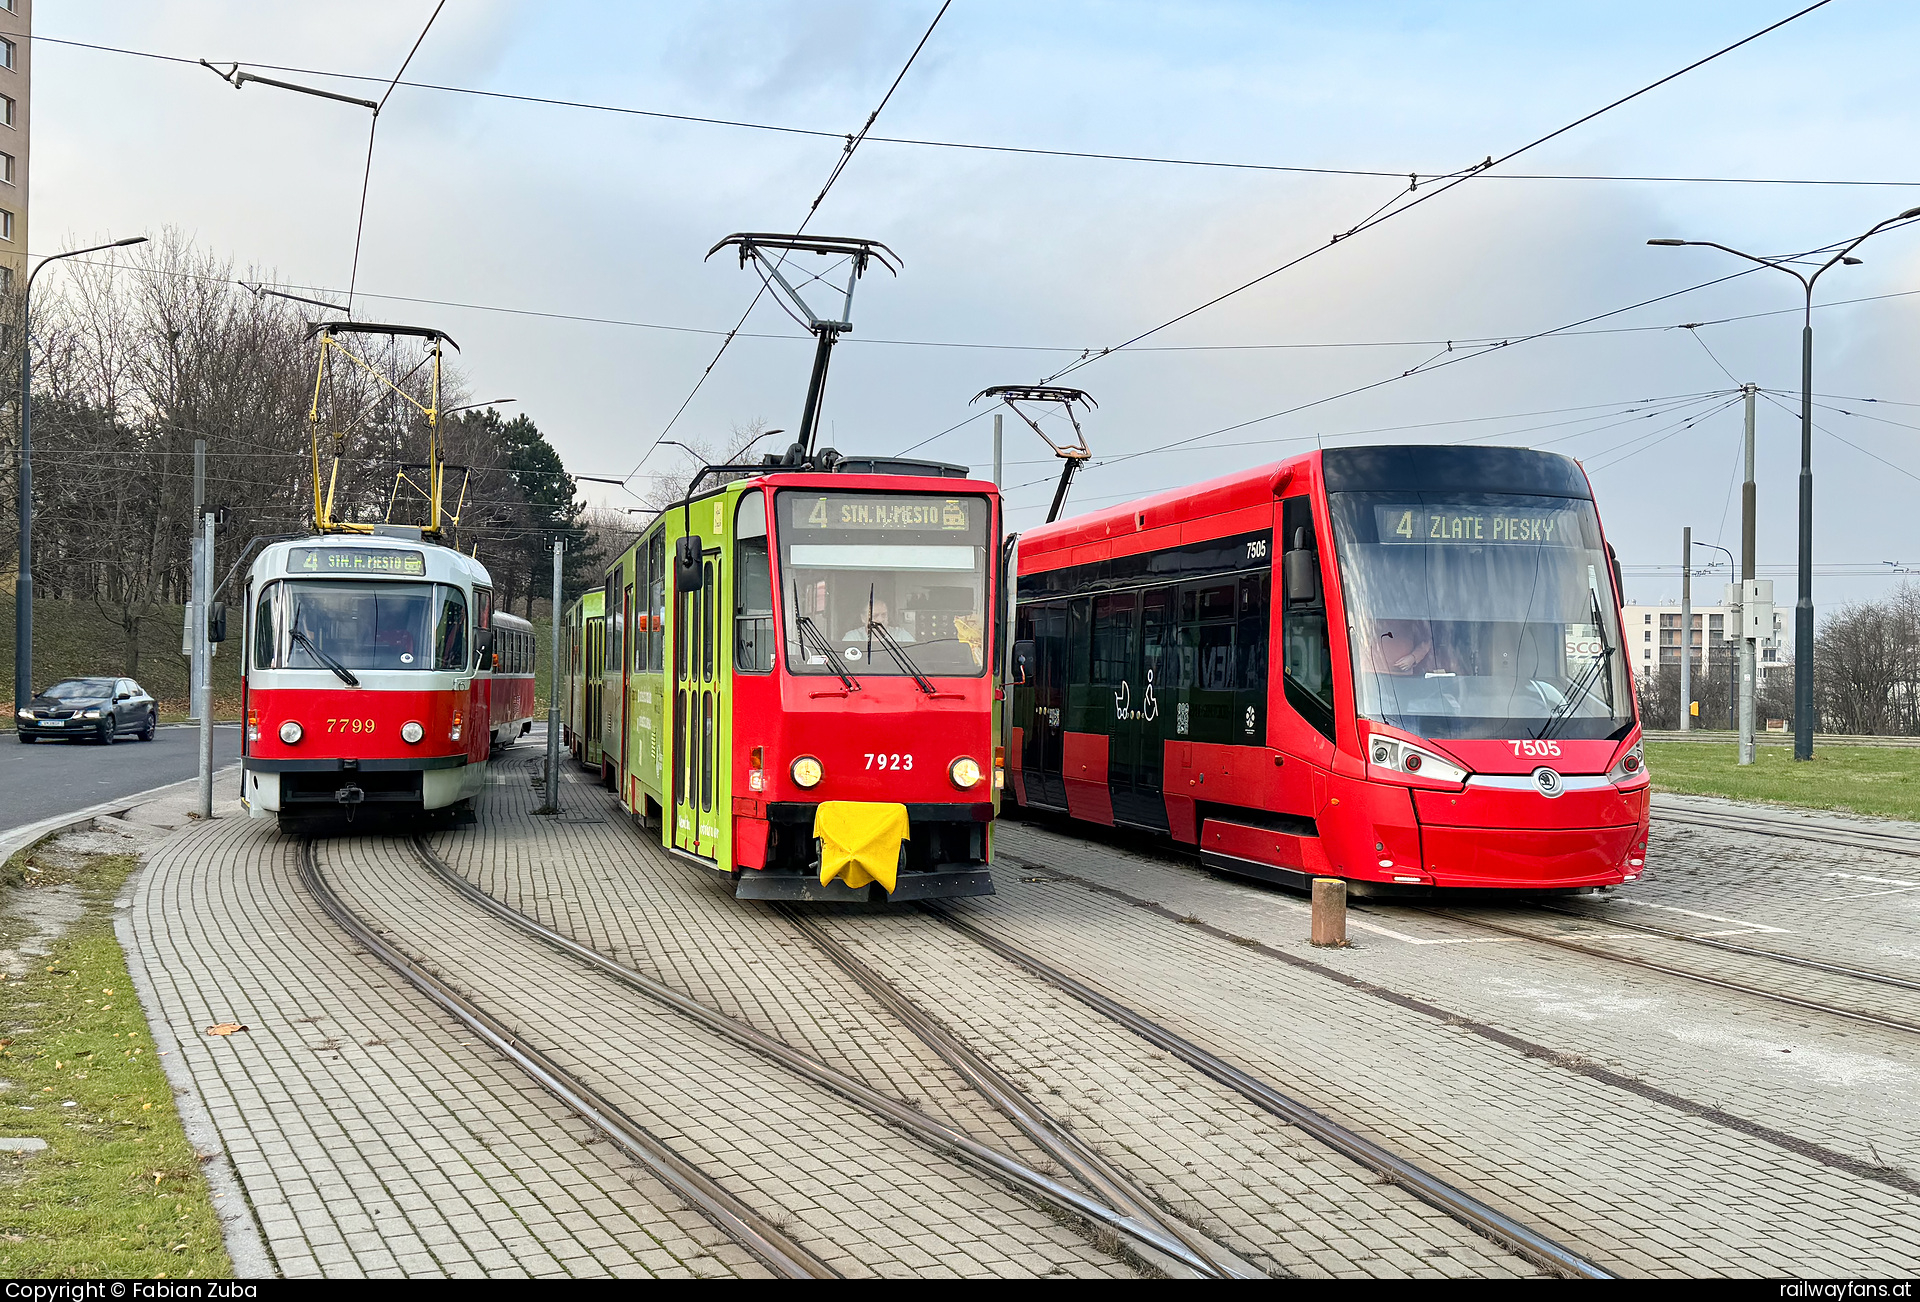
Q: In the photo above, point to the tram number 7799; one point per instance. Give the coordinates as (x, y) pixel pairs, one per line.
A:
(877, 762)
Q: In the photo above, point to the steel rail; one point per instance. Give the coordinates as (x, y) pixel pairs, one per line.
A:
(989, 1161)
(1711, 942)
(1086, 1162)
(1758, 992)
(1430, 1189)
(1863, 839)
(742, 1224)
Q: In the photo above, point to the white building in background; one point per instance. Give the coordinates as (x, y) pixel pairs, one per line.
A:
(1653, 639)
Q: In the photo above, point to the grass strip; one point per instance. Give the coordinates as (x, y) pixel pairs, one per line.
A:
(118, 1192)
(1882, 781)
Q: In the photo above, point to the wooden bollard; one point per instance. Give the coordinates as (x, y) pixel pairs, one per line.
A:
(1329, 912)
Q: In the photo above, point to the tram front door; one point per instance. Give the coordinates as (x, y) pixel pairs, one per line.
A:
(696, 705)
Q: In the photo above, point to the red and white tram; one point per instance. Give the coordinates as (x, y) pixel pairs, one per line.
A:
(368, 675)
(1397, 665)
(510, 691)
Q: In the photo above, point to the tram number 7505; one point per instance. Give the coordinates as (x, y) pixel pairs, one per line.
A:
(1535, 749)
(876, 762)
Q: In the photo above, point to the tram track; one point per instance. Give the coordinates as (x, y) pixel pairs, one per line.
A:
(1482, 1218)
(1057, 1140)
(758, 1234)
(1141, 1225)
(1667, 969)
(1791, 829)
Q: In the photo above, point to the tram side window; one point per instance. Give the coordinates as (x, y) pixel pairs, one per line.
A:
(1079, 638)
(610, 661)
(1160, 639)
(1213, 640)
(644, 631)
(752, 588)
(657, 600)
(450, 628)
(1309, 655)
(1113, 637)
(264, 643)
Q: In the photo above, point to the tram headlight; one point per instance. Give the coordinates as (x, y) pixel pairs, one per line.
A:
(291, 732)
(1630, 765)
(807, 772)
(411, 733)
(965, 773)
(1389, 753)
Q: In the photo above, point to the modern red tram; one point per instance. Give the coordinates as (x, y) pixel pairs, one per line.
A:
(510, 688)
(368, 675)
(1401, 666)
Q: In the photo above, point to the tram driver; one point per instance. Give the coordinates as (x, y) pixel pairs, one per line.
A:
(1406, 675)
(874, 611)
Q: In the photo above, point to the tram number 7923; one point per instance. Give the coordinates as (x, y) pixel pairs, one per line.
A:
(877, 762)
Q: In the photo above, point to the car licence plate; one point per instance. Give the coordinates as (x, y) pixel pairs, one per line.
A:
(53, 723)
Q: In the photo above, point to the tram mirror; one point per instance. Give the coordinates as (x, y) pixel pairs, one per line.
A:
(686, 565)
(483, 645)
(217, 622)
(1023, 663)
(1302, 576)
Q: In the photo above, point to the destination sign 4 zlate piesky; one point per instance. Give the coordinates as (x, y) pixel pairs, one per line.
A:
(882, 512)
(356, 560)
(1522, 526)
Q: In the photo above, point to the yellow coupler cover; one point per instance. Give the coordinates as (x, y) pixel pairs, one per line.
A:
(861, 840)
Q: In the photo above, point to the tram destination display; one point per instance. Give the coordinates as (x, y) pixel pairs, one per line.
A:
(1406, 525)
(357, 560)
(882, 513)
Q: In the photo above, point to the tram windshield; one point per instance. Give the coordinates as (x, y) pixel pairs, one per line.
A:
(884, 583)
(1489, 615)
(304, 624)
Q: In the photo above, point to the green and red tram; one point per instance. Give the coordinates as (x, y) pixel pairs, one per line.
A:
(1401, 666)
(585, 650)
(797, 681)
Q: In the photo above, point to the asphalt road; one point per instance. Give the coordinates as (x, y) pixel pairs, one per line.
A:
(56, 777)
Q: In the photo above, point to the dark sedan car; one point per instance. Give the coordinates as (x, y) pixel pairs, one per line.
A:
(91, 709)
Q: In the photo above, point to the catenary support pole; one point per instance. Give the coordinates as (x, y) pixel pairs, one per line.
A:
(996, 451)
(1748, 645)
(203, 652)
(554, 680)
(1686, 629)
(1803, 603)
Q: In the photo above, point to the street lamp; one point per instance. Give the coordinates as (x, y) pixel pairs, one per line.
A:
(23, 585)
(1803, 606)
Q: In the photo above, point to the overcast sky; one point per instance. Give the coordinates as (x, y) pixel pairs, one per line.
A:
(547, 209)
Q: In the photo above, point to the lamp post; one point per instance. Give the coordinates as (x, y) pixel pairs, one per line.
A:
(1803, 605)
(23, 584)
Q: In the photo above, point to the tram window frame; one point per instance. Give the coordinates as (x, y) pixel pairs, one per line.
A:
(753, 647)
(657, 600)
(1160, 636)
(1114, 642)
(709, 575)
(609, 636)
(1079, 638)
(1304, 621)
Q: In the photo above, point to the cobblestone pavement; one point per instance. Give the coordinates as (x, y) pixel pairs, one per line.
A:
(863, 1197)
(593, 876)
(1266, 1191)
(1641, 1182)
(371, 1137)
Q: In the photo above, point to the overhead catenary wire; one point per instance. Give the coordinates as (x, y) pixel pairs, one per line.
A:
(366, 179)
(1414, 173)
(1381, 216)
(839, 167)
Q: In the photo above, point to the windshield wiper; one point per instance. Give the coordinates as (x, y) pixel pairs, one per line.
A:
(900, 656)
(345, 675)
(806, 625)
(1582, 687)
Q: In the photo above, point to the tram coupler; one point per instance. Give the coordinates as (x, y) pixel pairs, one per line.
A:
(351, 797)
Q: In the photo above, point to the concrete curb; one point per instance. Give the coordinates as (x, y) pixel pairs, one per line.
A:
(15, 839)
(239, 1228)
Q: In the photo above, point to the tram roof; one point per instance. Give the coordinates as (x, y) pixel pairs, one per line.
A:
(437, 561)
(1241, 500)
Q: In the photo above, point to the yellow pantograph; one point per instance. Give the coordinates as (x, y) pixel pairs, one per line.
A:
(860, 842)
